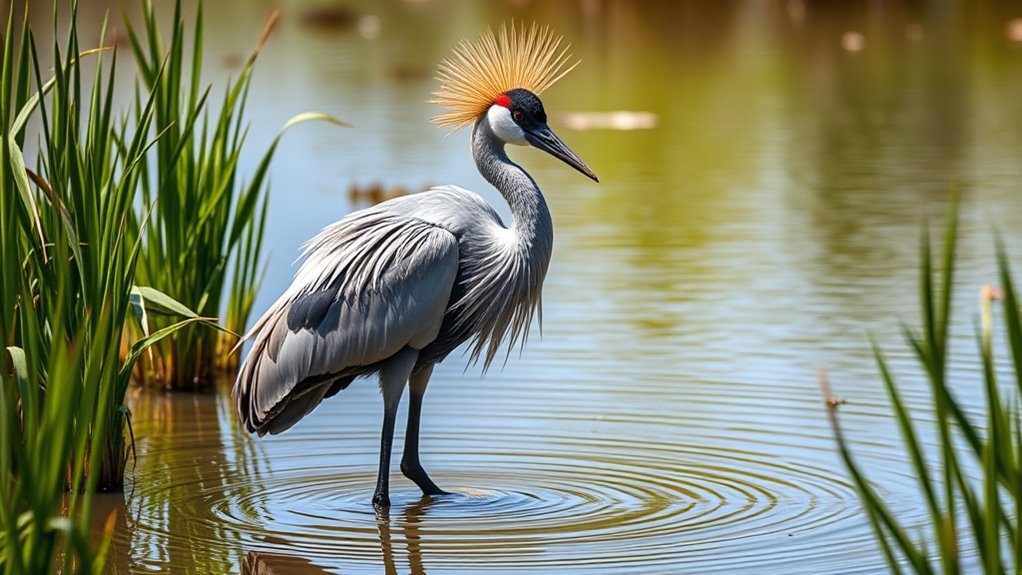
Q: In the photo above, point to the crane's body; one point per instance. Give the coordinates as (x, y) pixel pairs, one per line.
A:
(417, 272)
(393, 289)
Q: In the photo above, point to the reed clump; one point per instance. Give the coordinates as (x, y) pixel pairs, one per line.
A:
(985, 511)
(109, 211)
(67, 287)
(204, 248)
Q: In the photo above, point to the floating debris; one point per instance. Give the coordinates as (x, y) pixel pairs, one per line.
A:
(341, 18)
(403, 72)
(853, 41)
(796, 11)
(618, 120)
(369, 26)
(376, 192)
(1014, 30)
(914, 32)
(330, 17)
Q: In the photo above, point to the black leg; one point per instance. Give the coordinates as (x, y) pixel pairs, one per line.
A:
(410, 465)
(381, 498)
(393, 377)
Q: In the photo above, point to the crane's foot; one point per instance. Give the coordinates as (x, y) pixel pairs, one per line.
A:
(416, 473)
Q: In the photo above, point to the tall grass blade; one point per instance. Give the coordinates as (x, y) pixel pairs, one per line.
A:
(992, 504)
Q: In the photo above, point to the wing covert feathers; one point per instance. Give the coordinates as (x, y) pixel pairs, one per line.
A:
(371, 284)
(477, 72)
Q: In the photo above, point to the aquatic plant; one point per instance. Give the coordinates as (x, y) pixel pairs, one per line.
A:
(66, 290)
(984, 511)
(206, 241)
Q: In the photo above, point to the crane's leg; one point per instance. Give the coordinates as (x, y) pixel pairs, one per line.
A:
(393, 377)
(410, 465)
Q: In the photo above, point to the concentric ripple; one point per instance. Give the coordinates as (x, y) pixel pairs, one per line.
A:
(530, 495)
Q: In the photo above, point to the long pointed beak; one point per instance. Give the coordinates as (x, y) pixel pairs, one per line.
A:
(545, 139)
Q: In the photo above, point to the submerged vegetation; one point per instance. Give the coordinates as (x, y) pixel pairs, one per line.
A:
(963, 511)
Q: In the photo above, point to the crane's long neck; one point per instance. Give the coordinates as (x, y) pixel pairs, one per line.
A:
(506, 277)
(530, 216)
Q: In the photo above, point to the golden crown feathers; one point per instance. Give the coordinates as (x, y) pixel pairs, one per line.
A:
(478, 72)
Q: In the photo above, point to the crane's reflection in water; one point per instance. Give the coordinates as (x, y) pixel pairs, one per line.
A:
(407, 526)
(411, 515)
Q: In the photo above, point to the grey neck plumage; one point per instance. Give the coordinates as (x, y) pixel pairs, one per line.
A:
(507, 282)
(530, 215)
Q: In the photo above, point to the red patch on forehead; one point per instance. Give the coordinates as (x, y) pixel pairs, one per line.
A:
(503, 100)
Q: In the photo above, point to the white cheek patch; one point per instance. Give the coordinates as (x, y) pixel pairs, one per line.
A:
(504, 127)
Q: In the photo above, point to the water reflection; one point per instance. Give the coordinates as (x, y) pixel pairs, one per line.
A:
(530, 493)
(411, 515)
(256, 563)
(397, 551)
(191, 447)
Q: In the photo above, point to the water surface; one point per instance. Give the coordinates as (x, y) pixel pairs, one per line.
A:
(668, 419)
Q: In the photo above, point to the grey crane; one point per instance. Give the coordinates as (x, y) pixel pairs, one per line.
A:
(393, 289)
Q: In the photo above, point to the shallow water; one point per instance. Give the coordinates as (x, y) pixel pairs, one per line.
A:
(669, 418)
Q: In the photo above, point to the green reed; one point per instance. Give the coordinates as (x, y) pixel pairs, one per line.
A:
(68, 263)
(206, 241)
(986, 511)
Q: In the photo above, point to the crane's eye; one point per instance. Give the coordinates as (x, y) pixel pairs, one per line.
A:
(519, 116)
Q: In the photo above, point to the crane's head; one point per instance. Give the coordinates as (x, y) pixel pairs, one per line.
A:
(517, 117)
(497, 79)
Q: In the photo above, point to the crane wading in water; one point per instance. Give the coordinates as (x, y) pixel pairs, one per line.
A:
(393, 289)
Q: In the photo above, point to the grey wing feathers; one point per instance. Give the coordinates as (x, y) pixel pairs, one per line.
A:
(370, 285)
